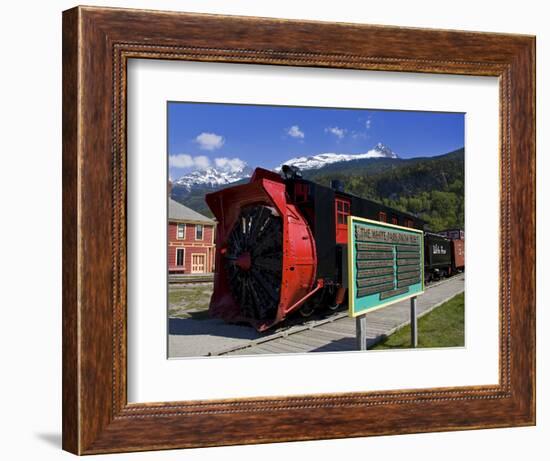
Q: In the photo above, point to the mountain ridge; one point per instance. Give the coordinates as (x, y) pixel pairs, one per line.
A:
(212, 177)
(429, 187)
(317, 161)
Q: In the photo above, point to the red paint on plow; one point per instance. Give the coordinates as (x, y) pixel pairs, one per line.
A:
(241, 213)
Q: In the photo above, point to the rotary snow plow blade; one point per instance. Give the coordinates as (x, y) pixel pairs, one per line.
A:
(265, 253)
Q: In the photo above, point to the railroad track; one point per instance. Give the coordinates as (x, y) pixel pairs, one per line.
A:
(184, 280)
(446, 279)
(187, 279)
(338, 330)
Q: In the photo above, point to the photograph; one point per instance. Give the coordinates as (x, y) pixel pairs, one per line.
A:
(287, 222)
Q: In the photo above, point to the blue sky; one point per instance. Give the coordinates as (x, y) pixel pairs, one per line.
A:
(225, 135)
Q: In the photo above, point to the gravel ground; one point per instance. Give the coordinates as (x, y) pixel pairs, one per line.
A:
(193, 334)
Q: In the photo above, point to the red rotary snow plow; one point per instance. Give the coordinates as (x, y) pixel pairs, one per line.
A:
(265, 253)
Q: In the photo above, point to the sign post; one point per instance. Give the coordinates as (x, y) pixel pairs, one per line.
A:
(414, 323)
(361, 328)
(385, 266)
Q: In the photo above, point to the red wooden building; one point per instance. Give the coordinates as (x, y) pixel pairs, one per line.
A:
(191, 246)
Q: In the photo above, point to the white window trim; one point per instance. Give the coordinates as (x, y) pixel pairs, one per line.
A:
(196, 228)
(176, 257)
(177, 230)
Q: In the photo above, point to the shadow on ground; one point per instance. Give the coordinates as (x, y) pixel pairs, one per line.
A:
(346, 345)
(212, 327)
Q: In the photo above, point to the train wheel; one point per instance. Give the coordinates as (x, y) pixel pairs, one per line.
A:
(253, 261)
(335, 298)
(306, 310)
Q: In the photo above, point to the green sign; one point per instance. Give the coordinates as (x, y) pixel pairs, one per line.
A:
(385, 264)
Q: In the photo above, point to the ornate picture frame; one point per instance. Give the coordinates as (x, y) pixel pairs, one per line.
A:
(97, 44)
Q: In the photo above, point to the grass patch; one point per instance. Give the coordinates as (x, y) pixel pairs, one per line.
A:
(443, 327)
(190, 300)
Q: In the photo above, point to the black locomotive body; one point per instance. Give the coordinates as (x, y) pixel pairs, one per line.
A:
(282, 245)
(326, 210)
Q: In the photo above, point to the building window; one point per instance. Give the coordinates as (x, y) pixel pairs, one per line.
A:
(382, 216)
(180, 256)
(408, 223)
(181, 231)
(394, 219)
(199, 229)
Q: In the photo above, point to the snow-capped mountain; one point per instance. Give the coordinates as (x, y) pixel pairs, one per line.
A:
(212, 177)
(314, 162)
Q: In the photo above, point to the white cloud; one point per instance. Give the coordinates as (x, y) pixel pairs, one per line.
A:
(295, 132)
(368, 123)
(338, 132)
(200, 162)
(210, 141)
(181, 161)
(359, 135)
(229, 164)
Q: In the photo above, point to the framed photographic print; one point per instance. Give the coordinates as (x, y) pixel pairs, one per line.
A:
(281, 230)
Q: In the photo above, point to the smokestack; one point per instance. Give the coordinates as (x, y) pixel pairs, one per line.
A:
(337, 185)
(291, 172)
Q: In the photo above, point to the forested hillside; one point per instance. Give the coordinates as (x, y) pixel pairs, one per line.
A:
(431, 187)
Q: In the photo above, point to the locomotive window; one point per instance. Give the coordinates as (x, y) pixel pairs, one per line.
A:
(342, 211)
(382, 216)
(181, 231)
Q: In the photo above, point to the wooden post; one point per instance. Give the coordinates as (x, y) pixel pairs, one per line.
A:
(361, 332)
(414, 323)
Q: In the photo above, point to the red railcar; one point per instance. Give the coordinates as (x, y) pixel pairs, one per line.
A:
(457, 254)
(457, 248)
